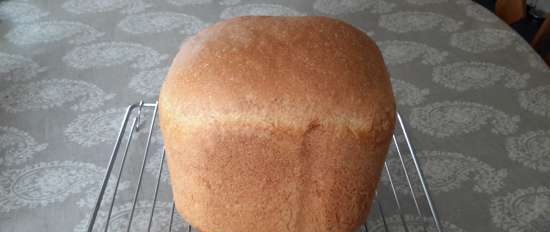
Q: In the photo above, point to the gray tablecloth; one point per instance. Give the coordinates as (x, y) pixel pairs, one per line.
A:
(476, 97)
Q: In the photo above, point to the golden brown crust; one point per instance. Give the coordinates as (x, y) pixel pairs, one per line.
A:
(276, 124)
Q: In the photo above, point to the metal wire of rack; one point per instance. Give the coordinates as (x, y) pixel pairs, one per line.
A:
(417, 197)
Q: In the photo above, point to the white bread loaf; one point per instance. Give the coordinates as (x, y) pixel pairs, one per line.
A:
(276, 124)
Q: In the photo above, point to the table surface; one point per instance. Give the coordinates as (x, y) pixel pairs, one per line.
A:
(475, 95)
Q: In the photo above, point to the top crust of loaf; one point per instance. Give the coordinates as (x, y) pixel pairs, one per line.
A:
(280, 72)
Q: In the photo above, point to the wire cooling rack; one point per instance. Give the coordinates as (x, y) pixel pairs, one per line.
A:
(402, 201)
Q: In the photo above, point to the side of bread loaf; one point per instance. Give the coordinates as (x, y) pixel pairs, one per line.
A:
(276, 124)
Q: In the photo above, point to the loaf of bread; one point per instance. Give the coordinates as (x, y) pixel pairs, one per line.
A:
(276, 124)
